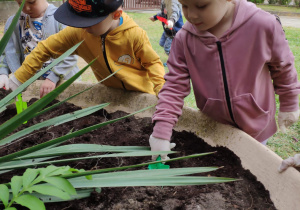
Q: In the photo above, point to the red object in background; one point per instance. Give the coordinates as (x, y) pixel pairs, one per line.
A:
(164, 20)
(4, 88)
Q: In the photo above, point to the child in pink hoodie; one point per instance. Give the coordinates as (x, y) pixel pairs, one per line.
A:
(236, 57)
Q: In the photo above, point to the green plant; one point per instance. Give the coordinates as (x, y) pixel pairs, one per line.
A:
(23, 186)
(59, 183)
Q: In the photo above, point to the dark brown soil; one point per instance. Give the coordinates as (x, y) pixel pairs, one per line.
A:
(247, 193)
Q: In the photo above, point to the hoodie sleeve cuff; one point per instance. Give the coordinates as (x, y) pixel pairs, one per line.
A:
(289, 104)
(162, 130)
(53, 77)
(15, 80)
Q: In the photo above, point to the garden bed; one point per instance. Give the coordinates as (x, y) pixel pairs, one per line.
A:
(247, 193)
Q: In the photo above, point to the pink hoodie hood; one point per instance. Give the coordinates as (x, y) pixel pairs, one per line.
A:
(233, 77)
(243, 12)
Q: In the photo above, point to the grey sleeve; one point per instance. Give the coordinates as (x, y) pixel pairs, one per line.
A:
(174, 9)
(66, 68)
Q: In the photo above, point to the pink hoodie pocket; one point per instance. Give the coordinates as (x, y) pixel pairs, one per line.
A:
(248, 115)
(216, 109)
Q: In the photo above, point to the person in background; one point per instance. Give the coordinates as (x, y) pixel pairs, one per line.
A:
(36, 23)
(110, 36)
(236, 56)
(171, 11)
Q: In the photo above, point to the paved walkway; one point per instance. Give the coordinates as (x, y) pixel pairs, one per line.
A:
(290, 21)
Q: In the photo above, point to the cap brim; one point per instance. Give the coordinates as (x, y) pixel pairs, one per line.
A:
(67, 17)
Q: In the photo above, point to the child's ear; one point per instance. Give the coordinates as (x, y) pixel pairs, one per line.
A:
(117, 14)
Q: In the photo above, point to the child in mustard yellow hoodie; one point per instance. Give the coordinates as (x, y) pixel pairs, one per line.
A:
(109, 35)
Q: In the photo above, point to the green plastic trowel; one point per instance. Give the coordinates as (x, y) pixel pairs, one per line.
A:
(158, 165)
(21, 105)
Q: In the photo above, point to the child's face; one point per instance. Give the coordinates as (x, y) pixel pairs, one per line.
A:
(105, 26)
(34, 8)
(205, 14)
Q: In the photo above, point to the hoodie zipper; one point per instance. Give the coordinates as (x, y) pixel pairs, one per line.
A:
(225, 80)
(105, 58)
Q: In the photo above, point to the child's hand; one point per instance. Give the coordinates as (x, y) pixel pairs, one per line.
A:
(291, 161)
(13, 83)
(169, 24)
(286, 119)
(4, 81)
(152, 18)
(157, 144)
(46, 87)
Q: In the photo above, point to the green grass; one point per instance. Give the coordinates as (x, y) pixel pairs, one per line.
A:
(275, 8)
(283, 144)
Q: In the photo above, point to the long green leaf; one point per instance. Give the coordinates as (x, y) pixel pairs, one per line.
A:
(152, 181)
(12, 165)
(22, 162)
(83, 148)
(12, 95)
(10, 30)
(161, 177)
(63, 138)
(2, 109)
(118, 179)
(16, 121)
(54, 121)
(86, 173)
(150, 173)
